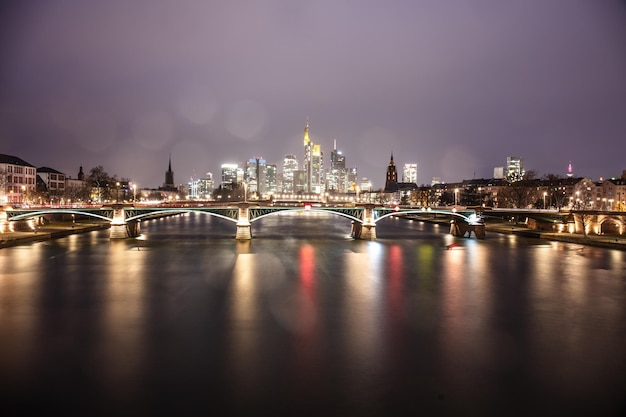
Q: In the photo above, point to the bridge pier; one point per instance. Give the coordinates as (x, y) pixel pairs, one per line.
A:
(463, 229)
(118, 228)
(243, 223)
(368, 228)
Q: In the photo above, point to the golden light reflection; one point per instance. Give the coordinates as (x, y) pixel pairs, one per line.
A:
(19, 299)
(364, 326)
(124, 318)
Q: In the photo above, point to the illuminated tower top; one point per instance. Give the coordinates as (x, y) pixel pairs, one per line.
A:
(570, 173)
(306, 133)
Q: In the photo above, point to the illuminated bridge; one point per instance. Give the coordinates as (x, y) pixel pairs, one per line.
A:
(125, 219)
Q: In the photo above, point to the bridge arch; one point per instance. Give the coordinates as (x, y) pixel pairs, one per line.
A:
(167, 211)
(610, 225)
(29, 215)
(420, 211)
(347, 215)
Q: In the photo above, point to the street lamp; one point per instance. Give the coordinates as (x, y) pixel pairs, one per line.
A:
(456, 192)
(544, 199)
(117, 193)
(134, 192)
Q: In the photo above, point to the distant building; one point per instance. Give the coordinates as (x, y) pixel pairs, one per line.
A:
(271, 179)
(399, 189)
(231, 174)
(498, 173)
(255, 175)
(514, 168)
(337, 175)
(169, 178)
(290, 165)
(409, 173)
(313, 164)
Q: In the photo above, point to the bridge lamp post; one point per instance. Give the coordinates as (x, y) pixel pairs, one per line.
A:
(456, 192)
(117, 192)
(544, 199)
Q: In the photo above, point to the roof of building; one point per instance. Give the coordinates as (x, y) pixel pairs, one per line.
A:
(13, 160)
(49, 170)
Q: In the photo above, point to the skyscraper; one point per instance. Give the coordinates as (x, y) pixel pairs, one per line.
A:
(255, 175)
(270, 179)
(308, 157)
(514, 168)
(336, 177)
(290, 165)
(409, 174)
(231, 175)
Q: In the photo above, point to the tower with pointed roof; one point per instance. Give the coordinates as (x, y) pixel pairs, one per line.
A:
(391, 182)
(169, 176)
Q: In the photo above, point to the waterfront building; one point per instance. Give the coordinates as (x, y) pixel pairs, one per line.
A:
(52, 180)
(18, 179)
(51, 183)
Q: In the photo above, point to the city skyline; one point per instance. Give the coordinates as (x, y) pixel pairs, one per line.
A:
(453, 87)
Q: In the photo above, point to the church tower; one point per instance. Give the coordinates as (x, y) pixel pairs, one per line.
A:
(169, 176)
(391, 183)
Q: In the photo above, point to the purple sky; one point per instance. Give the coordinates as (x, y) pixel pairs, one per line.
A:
(455, 86)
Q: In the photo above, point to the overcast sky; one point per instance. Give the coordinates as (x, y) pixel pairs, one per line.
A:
(455, 86)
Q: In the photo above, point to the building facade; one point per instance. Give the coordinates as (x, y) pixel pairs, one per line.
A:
(18, 180)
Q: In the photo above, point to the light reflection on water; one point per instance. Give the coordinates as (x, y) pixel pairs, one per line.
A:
(305, 320)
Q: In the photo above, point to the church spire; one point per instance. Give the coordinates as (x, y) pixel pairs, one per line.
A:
(169, 175)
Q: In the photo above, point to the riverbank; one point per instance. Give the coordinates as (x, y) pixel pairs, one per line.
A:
(610, 242)
(47, 232)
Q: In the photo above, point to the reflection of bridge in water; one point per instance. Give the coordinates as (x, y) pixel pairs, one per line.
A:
(125, 219)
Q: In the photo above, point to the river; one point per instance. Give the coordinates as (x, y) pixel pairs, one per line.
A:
(303, 320)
